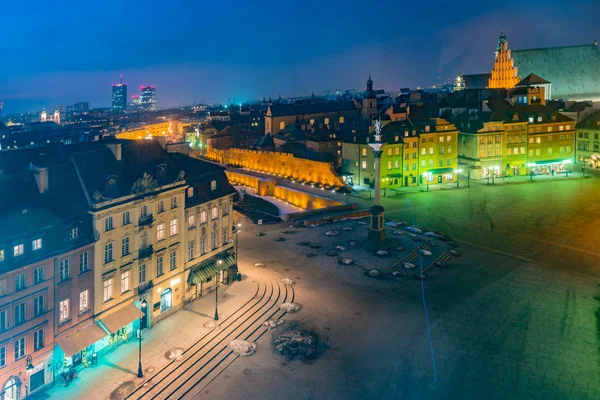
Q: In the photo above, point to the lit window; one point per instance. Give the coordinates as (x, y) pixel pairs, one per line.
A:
(190, 192)
(160, 232)
(36, 244)
(326, 121)
(364, 165)
(225, 241)
(423, 151)
(538, 139)
(540, 118)
(108, 289)
(214, 213)
(213, 185)
(441, 138)
(173, 227)
(364, 152)
(18, 250)
(64, 310)
(389, 165)
(431, 150)
(83, 301)
(448, 149)
(191, 221)
(389, 152)
(203, 217)
(2, 255)
(125, 281)
(341, 120)
(281, 125)
(312, 121)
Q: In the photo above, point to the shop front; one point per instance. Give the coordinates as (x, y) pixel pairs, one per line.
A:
(439, 175)
(204, 276)
(79, 349)
(551, 167)
(166, 298)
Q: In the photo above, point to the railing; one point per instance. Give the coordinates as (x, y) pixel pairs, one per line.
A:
(145, 252)
(146, 220)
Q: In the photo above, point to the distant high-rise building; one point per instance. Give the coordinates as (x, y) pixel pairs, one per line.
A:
(148, 98)
(135, 102)
(82, 107)
(119, 96)
(1, 115)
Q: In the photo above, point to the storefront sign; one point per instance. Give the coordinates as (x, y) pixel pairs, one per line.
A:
(37, 368)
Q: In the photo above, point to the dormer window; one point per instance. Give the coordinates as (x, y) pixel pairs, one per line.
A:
(396, 138)
(326, 121)
(190, 192)
(1, 255)
(111, 184)
(18, 250)
(73, 233)
(540, 118)
(161, 172)
(427, 128)
(213, 185)
(36, 244)
(531, 120)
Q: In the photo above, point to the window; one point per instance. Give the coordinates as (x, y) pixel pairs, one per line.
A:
(396, 164)
(431, 163)
(36, 244)
(1, 255)
(389, 165)
(568, 149)
(549, 129)
(326, 121)
(389, 152)
(448, 149)
(160, 232)
(73, 233)
(431, 150)
(448, 138)
(537, 152)
(214, 238)
(312, 121)
(561, 128)
(530, 152)
(108, 253)
(108, 289)
(18, 250)
(550, 138)
(173, 227)
(530, 140)
(441, 150)
(522, 150)
(38, 275)
(441, 162)
(108, 223)
(203, 217)
(38, 339)
(561, 150)
(173, 202)
(538, 139)
(203, 244)
(406, 156)
(3, 321)
(397, 151)
(364, 152)
(83, 301)
(64, 310)
(63, 271)
(161, 206)
(539, 118)
(441, 137)
(550, 150)
(83, 262)
(125, 246)
(568, 127)
(341, 120)
(423, 151)
(414, 166)
(125, 284)
(281, 125)
(213, 185)
(19, 348)
(142, 273)
(173, 260)
(159, 266)
(190, 192)
(38, 306)
(191, 221)
(214, 213)
(406, 166)
(126, 218)
(2, 356)
(225, 209)
(225, 236)
(3, 290)
(20, 281)
(423, 163)
(20, 314)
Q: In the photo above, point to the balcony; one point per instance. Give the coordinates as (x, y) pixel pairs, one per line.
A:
(146, 220)
(145, 252)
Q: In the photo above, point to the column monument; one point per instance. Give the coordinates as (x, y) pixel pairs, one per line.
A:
(376, 228)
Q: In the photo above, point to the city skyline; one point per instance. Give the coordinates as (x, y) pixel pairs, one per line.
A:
(205, 68)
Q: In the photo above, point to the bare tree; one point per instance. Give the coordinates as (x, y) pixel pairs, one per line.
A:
(220, 155)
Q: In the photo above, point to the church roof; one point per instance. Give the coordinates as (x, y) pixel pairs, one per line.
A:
(573, 70)
(532, 80)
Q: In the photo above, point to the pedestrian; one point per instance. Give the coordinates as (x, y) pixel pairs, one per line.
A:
(552, 172)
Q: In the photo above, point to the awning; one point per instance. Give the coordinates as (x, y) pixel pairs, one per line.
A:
(121, 318)
(82, 339)
(437, 171)
(394, 175)
(558, 161)
(210, 268)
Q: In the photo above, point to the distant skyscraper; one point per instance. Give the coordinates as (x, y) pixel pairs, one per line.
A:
(1, 115)
(119, 96)
(148, 98)
(82, 107)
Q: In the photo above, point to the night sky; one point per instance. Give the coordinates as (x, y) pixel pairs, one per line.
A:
(69, 51)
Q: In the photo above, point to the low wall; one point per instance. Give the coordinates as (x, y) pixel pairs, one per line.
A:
(235, 178)
(303, 200)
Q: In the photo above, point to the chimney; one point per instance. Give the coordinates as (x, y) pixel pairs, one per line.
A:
(41, 177)
(116, 150)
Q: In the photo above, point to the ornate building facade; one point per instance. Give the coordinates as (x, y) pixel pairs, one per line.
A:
(504, 75)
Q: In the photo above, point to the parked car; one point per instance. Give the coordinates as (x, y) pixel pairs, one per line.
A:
(435, 235)
(414, 229)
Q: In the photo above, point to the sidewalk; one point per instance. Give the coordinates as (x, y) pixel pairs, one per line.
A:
(528, 179)
(118, 369)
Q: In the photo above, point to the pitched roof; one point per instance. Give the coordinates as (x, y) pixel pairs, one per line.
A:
(590, 121)
(280, 110)
(573, 70)
(263, 142)
(532, 80)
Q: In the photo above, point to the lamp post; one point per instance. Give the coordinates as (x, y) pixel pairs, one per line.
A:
(29, 369)
(237, 232)
(140, 373)
(217, 293)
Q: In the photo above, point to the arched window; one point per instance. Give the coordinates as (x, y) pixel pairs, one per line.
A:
(341, 120)
(281, 125)
(326, 121)
(190, 192)
(312, 121)
(203, 217)
(214, 213)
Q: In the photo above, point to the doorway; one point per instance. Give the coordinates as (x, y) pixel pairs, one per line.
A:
(166, 300)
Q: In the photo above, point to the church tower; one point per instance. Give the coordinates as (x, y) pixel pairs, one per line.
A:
(369, 102)
(505, 74)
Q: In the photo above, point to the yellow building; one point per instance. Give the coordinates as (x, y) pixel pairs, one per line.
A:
(167, 129)
(438, 150)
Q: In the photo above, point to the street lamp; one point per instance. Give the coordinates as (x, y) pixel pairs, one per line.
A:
(140, 373)
(237, 232)
(29, 368)
(217, 292)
